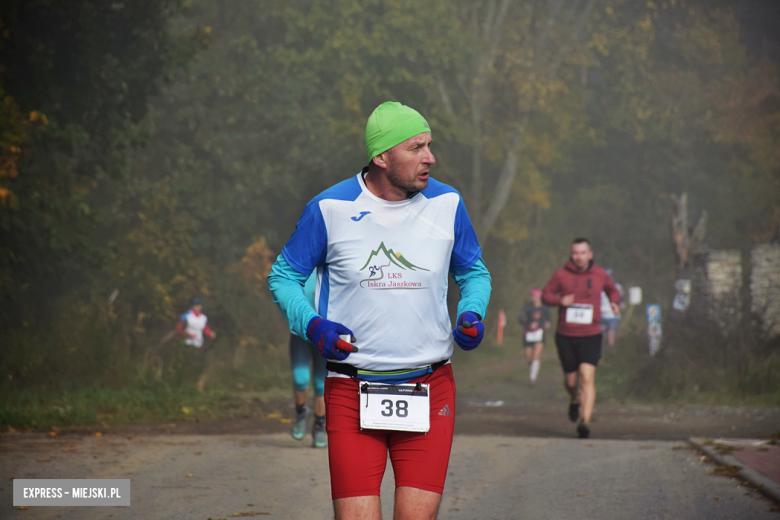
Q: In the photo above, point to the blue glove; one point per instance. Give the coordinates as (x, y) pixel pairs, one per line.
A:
(325, 336)
(469, 332)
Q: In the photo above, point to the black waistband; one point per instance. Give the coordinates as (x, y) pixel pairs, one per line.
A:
(349, 370)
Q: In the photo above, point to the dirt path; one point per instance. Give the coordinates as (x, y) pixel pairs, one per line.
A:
(540, 411)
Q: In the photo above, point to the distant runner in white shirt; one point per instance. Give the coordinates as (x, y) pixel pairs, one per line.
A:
(194, 324)
(535, 319)
(609, 320)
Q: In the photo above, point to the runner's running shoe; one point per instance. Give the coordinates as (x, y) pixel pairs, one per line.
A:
(299, 428)
(583, 429)
(574, 411)
(320, 438)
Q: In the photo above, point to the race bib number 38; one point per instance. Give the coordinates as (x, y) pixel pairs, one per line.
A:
(395, 407)
(581, 313)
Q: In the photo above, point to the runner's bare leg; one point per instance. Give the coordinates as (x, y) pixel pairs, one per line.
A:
(529, 351)
(587, 380)
(570, 383)
(538, 351)
(300, 396)
(415, 504)
(358, 508)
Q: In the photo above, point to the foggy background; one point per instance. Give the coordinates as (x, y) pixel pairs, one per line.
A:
(165, 149)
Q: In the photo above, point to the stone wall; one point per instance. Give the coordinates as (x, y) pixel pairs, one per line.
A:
(724, 272)
(765, 287)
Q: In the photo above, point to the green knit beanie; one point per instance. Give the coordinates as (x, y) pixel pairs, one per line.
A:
(392, 123)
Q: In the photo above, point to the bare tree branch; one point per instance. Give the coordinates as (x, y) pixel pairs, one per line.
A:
(570, 43)
(445, 97)
(504, 185)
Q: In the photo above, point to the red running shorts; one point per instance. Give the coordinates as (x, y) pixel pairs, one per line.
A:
(358, 457)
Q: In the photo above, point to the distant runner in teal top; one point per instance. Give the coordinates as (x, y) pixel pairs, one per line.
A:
(302, 355)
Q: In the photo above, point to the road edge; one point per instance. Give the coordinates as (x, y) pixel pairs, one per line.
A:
(764, 484)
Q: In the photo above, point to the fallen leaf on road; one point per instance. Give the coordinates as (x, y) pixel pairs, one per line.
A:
(726, 470)
(52, 434)
(275, 415)
(24, 507)
(580, 494)
(189, 475)
(98, 434)
(285, 421)
(198, 453)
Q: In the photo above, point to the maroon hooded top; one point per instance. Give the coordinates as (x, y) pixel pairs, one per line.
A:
(586, 286)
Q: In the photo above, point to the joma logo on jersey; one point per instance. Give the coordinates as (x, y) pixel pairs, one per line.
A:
(382, 258)
(360, 216)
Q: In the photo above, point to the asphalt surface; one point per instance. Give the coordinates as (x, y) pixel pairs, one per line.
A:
(490, 477)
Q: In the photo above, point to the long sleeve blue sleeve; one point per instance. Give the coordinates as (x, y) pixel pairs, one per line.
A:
(475, 288)
(286, 286)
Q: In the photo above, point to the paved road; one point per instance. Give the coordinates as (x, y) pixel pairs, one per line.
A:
(490, 477)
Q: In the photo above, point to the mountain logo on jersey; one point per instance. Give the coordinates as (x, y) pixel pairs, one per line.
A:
(382, 258)
(394, 258)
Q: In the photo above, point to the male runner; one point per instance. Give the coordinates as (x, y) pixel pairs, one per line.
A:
(303, 354)
(383, 243)
(535, 319)
(576, 289)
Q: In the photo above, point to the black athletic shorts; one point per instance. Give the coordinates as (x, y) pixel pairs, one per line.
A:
(573, 351)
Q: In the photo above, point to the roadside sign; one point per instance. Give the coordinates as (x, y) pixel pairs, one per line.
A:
(634, 295)
(654, 327)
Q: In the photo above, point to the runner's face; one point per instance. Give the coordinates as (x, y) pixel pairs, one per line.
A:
(581, 255)
(409, 163)
(197, 308)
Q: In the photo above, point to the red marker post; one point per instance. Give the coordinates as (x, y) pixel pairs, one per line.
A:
(501, 325)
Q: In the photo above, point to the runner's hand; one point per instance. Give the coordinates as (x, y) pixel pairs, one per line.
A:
(325, 336)
(469, 331)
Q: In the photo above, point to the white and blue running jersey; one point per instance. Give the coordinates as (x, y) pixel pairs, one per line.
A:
(194, 324)
(382, 268)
